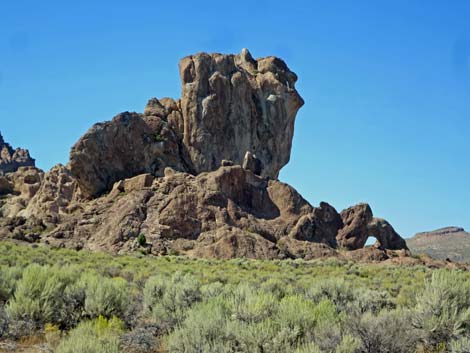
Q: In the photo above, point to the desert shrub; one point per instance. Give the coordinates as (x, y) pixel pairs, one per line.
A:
(338, 291)
(348, 344)
(288, 324)
(306, 322)
(248, 320)
(141, 239)
(9, 276)
(42, 295)
(107, 297)
(461, 345)
(3, 322)
(371, 300)
(139, 340)
(98, 336)
(442, 311)
(308, 348)
(302, 316)
(204, 330)
(250, 305)
(277, 287)
(211, 290)
(385, 332)
(20, 328)
(167, 300)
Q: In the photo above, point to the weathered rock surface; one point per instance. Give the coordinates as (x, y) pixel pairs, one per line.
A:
(54, 196)
(129, 145)
(232, 104)
(196, 176)
(359, 225)
(11, 159)
(229, 212)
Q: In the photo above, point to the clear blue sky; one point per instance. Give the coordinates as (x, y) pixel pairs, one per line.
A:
(386, 86)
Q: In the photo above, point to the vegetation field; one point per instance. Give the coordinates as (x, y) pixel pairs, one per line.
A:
(65, 301)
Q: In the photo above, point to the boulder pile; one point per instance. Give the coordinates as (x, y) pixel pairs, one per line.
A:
(196, 176)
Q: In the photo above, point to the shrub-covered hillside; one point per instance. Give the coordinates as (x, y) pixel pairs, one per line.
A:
(66, 301)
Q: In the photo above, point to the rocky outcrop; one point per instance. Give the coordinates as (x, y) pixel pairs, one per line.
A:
(359, 225)
(12, 159)
(22, 186)
(54, 196)
(126, 146)
(231, 105)
(196, 176)
(229, 212)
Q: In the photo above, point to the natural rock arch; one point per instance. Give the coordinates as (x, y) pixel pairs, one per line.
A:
(360, 224)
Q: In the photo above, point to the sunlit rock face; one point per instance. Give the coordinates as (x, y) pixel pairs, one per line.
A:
(11, 159)
(232, 104)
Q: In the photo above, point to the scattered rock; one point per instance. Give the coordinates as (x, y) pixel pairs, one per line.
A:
(138, 182)
(12, 159)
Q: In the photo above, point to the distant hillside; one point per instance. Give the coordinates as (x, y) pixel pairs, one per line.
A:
(451, 242)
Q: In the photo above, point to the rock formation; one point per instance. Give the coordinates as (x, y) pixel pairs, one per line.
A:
(196, 176)
(11, 160)
(128, 145)
(230, 105)
(359, 225)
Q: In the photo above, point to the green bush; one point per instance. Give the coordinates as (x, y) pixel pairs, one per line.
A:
(98, 336)
(9, 277)
(308, 348)
(348, 344)
(141, 239)
(442, 311)
(249, 305)
(211, 290)
(461, 345)
(247, 320)
(242, 306)
(107, 297)
(43, 295)
(367, 300)
(167, 300)
(204, 330)
(338, 291)
(385, 332)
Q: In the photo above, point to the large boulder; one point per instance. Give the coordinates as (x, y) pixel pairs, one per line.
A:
(12, 159)
(232, 104)
(126, 146)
